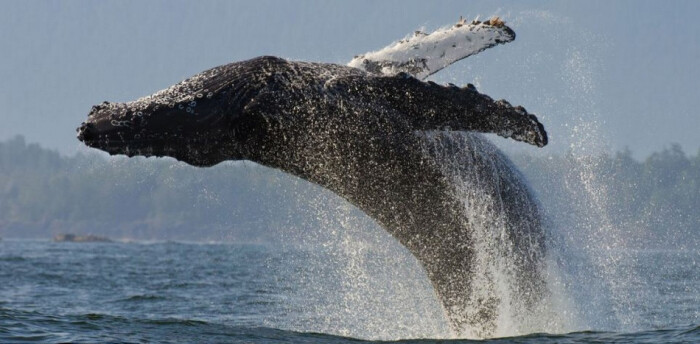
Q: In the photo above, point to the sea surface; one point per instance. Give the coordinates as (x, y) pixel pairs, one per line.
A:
(170, 292)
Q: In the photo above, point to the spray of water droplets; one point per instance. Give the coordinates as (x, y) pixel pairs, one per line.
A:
(587, 270)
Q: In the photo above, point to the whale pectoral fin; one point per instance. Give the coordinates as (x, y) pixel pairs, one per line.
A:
(483, 114)
(434, 107)
(424, 54)
(512, 122)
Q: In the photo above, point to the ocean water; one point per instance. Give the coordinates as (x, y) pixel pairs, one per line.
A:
(240, 293)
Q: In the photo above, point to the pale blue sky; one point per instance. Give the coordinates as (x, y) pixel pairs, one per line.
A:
(626, 70)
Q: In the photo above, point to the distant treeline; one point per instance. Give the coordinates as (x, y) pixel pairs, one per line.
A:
(654, 202)
(43, 193)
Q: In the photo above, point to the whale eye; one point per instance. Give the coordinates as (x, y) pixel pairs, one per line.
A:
(470, 87)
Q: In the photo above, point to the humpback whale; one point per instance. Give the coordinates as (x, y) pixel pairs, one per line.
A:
(399, 148)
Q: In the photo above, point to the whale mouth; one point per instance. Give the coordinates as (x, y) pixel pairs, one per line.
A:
(143, 147)
(200, 151)
(114, 141)
(148, 128)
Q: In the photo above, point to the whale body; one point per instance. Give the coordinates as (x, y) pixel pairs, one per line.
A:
(398, 148)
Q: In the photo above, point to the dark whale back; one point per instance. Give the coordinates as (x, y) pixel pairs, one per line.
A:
(452, 198)
(393, 146)
(457, 204)
(502, 222)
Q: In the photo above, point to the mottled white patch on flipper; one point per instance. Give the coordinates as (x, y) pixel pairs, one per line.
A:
(423, 54)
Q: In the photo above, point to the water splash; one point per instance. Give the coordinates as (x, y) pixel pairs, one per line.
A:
(592, 272)
(358, 281)
(611, 268)
(587, 273)
(589, 251)
(523, 290)
(355, 279)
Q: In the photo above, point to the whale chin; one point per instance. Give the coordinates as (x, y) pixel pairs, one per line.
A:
(156, 149)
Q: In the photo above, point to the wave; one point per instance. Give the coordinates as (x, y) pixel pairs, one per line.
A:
(31, 326)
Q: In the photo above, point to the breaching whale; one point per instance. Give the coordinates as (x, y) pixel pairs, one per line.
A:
(398, 148)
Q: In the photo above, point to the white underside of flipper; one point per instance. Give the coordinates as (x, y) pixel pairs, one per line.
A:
(423, 54)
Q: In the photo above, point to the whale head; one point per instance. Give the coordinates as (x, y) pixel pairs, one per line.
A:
(201, 121)
(193, 131)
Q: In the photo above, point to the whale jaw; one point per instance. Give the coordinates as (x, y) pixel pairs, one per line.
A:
(119, 129)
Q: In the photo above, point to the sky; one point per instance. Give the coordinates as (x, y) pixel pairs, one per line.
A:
(601, 75)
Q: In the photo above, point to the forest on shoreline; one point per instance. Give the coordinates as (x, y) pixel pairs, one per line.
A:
(43, 193)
